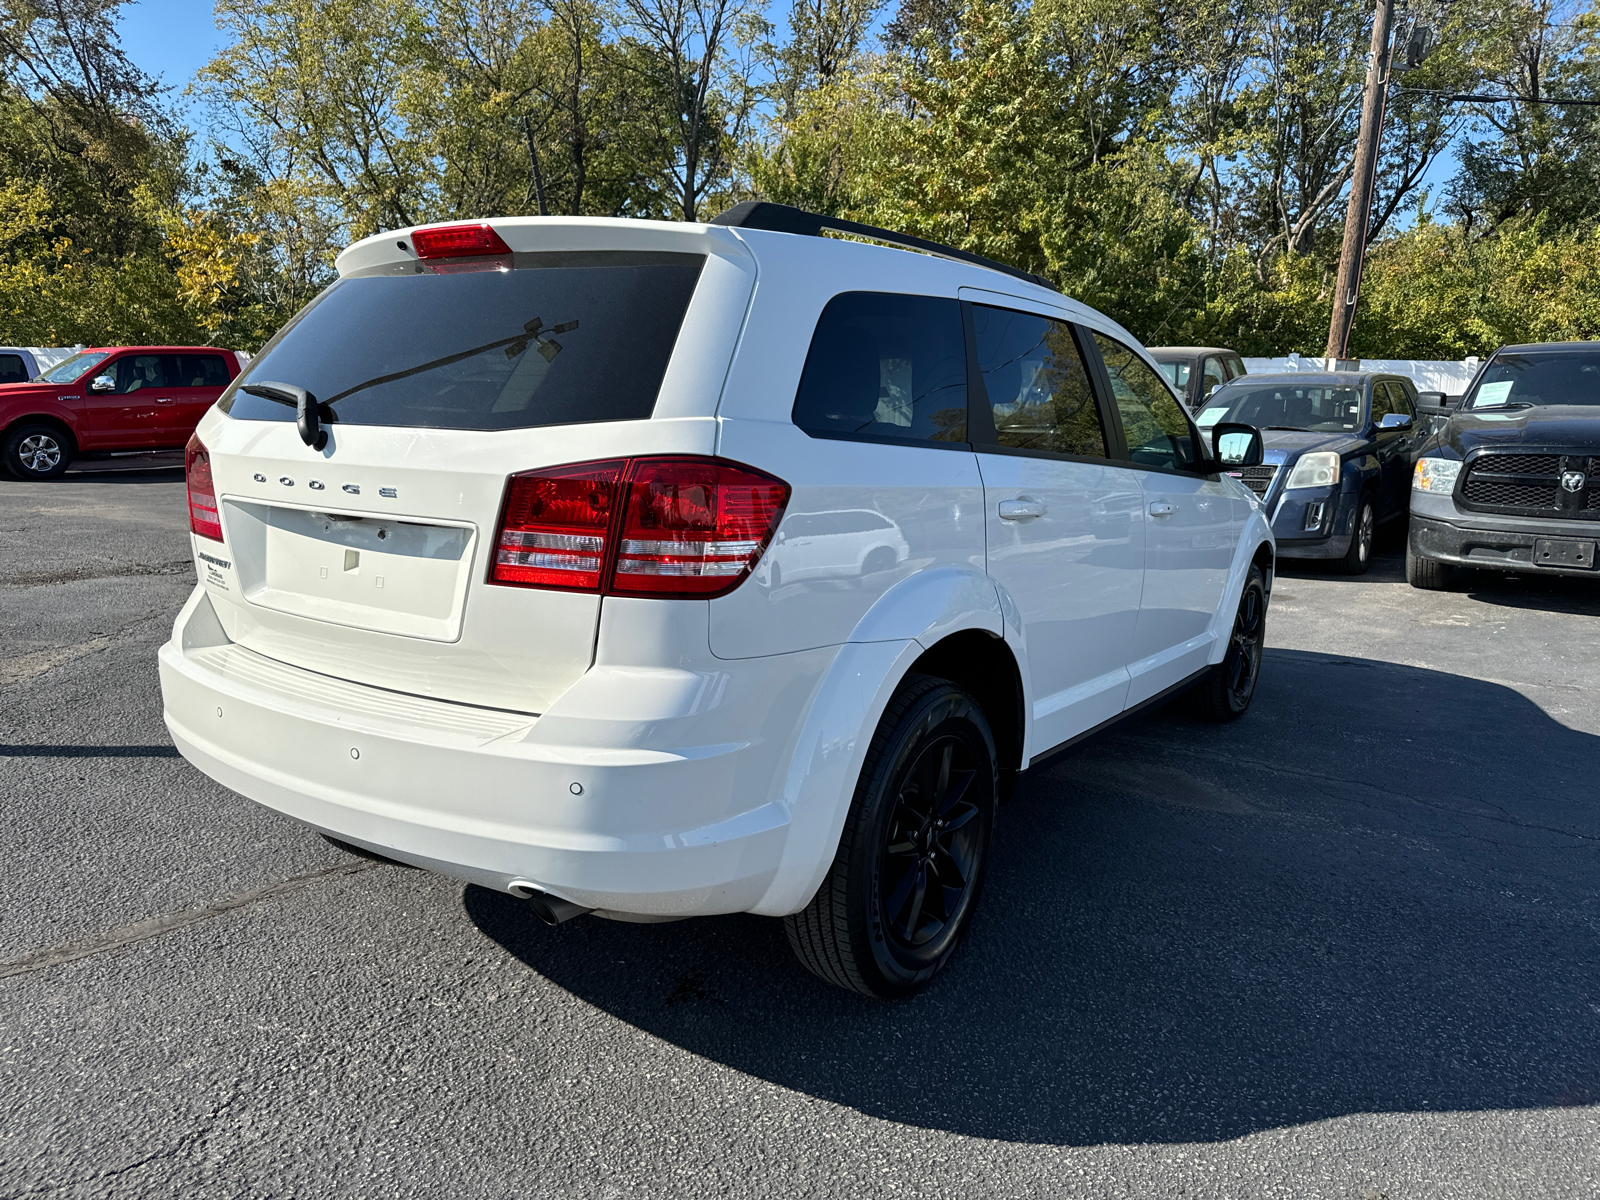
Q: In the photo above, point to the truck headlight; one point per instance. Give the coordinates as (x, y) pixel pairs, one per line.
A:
(1315, 470)
(1436, 475)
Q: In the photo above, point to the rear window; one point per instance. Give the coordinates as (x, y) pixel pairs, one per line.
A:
(560, 339)
(886, 366)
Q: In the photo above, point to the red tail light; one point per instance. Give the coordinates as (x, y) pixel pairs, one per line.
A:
(663, 527)
(203, 516)
(556, 526)
(694, 526)
(458, 241)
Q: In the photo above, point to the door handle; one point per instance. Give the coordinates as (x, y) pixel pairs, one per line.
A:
(1162, 509)
(164, 400)
(1024, 508)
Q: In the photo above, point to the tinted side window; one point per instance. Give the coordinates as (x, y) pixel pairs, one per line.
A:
(1380, 402)
(1152, 421)
(198, 370)
(138, 373)
(1038, 387)
(12, 370)
(886, 365)
(1235, 368)
(1399, 401)
(1214, 377)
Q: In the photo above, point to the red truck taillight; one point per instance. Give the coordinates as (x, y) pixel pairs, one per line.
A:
(668, 527)
(203, 516)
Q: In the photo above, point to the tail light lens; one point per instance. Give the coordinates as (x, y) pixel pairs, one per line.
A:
(661, 527)
(203, 516)
(556, 526)
(694, 526)
(458, 241)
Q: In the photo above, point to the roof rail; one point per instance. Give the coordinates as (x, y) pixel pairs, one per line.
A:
(782, 218)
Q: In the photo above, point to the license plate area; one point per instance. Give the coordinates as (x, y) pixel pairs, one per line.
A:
(1563, 552)
(370, 571)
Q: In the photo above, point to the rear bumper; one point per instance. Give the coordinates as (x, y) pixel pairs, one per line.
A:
(1506, 545)
(592, 809)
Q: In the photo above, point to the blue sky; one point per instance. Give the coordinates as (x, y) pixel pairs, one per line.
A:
(175, 38)
(170, 38)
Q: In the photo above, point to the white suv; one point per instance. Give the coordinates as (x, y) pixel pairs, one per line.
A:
(662, 570)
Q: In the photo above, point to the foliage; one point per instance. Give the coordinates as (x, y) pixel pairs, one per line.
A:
(1180, 164)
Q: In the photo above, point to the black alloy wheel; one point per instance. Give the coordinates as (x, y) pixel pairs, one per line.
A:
(1225, 693)
(909, 869)
(1359, 556)
(36, 450)
(931, 848)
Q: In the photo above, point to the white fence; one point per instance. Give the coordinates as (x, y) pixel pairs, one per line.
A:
(1430, 375)
(49, 356)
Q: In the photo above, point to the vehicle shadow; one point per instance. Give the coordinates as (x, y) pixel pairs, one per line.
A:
(1194, 933)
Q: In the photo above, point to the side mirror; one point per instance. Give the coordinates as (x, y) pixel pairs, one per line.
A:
(1395, 421)
(102, 383)
(1237, 445)
(1432, 399)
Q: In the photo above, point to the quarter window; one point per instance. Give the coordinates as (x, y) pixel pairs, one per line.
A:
(1037, 384)
(886, 365)
(1157, 432)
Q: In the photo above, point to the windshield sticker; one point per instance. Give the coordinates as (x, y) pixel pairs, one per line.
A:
(1491, 394)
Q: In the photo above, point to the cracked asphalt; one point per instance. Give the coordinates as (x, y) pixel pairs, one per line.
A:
(1346, 947)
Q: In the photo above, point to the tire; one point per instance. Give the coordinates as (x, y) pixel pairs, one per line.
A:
(882, 558)
(1226, 691)
(875, 926)
(1363, 533)
(1429, 574)
(37, 450)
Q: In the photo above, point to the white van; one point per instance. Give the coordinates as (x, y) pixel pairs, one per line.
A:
(660, 570)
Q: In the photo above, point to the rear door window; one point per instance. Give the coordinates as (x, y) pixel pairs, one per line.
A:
(1037, 384)
(12, 369)
(562, 338)
(198, 370)
(886, 367)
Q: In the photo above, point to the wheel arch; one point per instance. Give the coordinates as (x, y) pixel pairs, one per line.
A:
(43, 418)
(982, 663)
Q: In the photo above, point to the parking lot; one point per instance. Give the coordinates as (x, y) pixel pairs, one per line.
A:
(1345, 947)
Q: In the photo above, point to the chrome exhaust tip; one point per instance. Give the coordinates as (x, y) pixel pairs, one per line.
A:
(552, 910)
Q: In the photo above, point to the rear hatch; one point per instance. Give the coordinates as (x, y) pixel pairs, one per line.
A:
(436, 380)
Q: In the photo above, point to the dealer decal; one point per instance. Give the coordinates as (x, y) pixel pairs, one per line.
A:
(214, 569)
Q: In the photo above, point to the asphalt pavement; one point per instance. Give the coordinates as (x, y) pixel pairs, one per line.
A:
(1345, 947)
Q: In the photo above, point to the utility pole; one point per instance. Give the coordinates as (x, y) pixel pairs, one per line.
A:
(1358, 215)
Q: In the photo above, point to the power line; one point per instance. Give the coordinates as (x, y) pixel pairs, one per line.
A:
(1473, 98)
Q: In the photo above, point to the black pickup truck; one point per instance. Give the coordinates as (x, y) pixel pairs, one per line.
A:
(1507, 481)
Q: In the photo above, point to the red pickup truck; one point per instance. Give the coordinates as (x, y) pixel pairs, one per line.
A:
(109, 399)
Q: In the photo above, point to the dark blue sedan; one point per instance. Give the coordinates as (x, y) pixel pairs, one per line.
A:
(1340, 449)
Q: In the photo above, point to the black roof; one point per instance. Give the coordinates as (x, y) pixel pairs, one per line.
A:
(1550, 347)
(782, 218)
